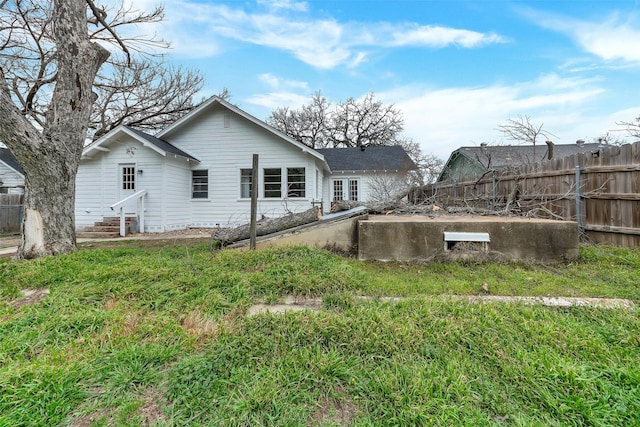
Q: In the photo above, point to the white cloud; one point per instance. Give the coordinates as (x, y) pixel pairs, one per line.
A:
(440, 37)
(443, 120)
(271, 101)
(284, 4)
(275, 82)
(198, 30)
(611, 38)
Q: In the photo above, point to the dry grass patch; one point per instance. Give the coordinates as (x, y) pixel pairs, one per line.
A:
(151, 410)
(203, 328)
(31, 297)
(198, 325)
(334, 410)
(91, 419)
(111, 304)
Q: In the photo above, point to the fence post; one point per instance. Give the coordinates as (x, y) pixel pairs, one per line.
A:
(493, 189)
(254, 203)
(578, 198)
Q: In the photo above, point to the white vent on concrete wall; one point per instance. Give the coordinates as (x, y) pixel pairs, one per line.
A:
(466, 242)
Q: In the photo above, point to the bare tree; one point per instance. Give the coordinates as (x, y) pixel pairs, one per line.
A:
(429, 165)
(352, 123)
(50, 57)
(146, 94)
(310, 124)
(631, 128)
(140, 90)
(608, 138)
(525, 131)
(368, 122)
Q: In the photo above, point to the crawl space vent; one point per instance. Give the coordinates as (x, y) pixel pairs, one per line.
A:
(466, 242)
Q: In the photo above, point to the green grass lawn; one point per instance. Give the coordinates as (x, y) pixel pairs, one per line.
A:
(134, 336)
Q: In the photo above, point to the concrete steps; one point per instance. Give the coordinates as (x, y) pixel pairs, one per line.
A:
(107, 228)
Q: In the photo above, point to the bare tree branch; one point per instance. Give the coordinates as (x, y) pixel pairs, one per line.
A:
(49, 82)
(140, 90)
(100, 15)
(631, 128)
(352, 123)
(523, 130)
(146, 95)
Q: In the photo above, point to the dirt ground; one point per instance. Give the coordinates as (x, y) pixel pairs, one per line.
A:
(150, 239)
(8, 241)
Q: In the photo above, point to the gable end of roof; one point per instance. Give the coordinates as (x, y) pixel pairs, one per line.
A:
(9, 159)
(160, 146)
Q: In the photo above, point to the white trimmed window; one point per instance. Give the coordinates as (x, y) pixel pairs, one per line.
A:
(338, 191)
(353, 190)
(284, 183)
(200, 184)
(346, 189)
(129, 178)
(295, 182)
(272, 183)
(245, 183)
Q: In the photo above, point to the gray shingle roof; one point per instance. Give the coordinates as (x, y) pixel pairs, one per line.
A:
(499, 156)
(162, 144)
(378, 158)
(7, 157)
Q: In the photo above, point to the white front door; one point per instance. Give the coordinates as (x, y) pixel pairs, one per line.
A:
(128, 187)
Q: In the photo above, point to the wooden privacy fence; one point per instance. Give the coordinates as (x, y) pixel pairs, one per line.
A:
(10, 213)
(599, 190)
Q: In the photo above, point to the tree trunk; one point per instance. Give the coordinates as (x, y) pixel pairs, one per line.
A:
(50, 158)
(266, 226)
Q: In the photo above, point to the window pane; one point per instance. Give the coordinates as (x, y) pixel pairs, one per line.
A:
(295, 182)
(273, 183)
(200, 184)
(337, 191)
(245, 183)
(353, 190)
(129, 178)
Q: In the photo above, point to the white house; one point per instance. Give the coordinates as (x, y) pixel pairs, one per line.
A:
(11, 174)
(197, 172)
(366, 173)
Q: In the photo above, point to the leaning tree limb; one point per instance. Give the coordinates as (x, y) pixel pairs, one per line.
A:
(227, 236)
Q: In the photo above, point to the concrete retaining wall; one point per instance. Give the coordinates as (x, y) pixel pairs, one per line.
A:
(422, 238)
(339, 235)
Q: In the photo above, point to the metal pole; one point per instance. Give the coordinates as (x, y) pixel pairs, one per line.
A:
(578, 198)
(254, 203)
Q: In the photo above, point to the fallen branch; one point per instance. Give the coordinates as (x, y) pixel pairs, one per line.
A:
(470, 210)
(265, 226)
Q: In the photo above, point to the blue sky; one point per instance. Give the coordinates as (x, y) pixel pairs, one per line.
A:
(456, 69)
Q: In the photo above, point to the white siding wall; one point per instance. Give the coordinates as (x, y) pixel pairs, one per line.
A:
(224, 143)
(10, 178)
(366, 184)
(98, 180)
(152, 166)
(225, 149)
(89, 193)
(177, 187)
